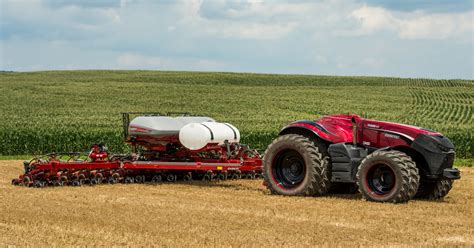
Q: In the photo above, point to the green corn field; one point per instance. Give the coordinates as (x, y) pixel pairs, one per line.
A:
(69, 110)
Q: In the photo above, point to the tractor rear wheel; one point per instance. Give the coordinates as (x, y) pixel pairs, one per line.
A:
(434, 190)
(388, 176)
(293, 165)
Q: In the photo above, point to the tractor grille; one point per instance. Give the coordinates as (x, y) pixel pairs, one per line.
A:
(448, 160)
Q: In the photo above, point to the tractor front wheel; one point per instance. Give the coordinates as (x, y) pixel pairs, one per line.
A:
(434, 190)
(293, 165)
(388, 176)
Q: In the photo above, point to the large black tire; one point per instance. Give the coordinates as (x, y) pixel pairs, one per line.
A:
(323, 149)
(293, 165)
(434, 190)
(388, 176)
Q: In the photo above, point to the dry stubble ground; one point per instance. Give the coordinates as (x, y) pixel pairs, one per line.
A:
(233, 213)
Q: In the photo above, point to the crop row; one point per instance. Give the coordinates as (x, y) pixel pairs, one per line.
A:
(66, 111)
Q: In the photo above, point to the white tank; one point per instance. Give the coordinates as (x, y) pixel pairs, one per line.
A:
(162, 125)
(195, 136)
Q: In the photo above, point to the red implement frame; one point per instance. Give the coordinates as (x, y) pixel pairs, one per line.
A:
(168, 159)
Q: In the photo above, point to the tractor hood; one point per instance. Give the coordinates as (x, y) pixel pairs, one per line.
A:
(338, 128)
(338, 123)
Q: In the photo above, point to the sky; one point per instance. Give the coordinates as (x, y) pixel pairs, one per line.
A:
(399, 38)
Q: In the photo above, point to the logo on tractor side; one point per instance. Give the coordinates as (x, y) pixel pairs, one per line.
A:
(393, 136)
(372, 125)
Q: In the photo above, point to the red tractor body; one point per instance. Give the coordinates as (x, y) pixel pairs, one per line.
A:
(338, 128)
(344, 141)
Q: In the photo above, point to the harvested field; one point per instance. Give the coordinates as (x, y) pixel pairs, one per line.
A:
(231, 213)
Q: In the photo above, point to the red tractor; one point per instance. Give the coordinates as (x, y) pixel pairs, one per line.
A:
(387, 162)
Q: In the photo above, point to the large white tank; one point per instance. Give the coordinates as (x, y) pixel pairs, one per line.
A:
(159, 126)
(195, 136)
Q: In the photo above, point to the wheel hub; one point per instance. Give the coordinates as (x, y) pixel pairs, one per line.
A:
(289, 168)
(294, 167)
(381, 179)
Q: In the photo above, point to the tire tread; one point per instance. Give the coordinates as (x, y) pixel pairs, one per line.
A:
(409, 171)
(319, 182)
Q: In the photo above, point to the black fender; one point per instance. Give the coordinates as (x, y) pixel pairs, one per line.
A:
(433, 155)
(438, 152)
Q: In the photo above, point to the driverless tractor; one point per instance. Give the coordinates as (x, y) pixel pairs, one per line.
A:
(387, 162)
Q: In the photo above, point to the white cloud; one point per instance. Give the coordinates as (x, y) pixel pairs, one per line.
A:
(413, 25)
(276, 20)
(260, 20)
(35, 19)
(372, 19)
(438, 26)
(255, 36)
